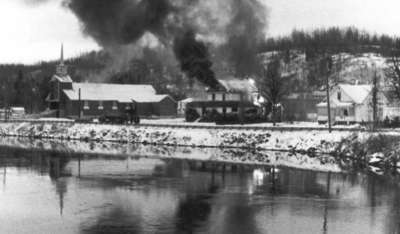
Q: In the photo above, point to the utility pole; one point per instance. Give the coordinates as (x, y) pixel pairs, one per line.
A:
(80, 104)
(4, 103)
(375, 99)
(240, 109)
(328, 101)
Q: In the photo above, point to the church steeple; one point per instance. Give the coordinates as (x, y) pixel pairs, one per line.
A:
(61, 69)
(62, 55)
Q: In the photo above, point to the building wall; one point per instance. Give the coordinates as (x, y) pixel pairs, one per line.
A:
(71, 108)
(97, 109)
(362, 113)
(391, 112)
(301, 109)
(223, 96)
(145, 109)
(166, 107)
(65, 85)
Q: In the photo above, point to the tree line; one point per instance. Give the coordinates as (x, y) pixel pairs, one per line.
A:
(333, 40)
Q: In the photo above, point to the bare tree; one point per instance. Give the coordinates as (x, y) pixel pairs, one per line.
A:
(273, 83)
(393, 74)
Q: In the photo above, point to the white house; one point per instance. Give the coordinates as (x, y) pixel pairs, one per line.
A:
(351, 104)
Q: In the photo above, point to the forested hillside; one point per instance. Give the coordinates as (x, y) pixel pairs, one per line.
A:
(353, 56)
(350, 55)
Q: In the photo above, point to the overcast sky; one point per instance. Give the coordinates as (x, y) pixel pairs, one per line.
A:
(33, 33)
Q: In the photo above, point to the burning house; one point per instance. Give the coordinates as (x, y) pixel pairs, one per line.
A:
(233, 99)
(71, 99)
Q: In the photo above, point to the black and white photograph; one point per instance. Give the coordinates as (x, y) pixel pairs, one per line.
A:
(199, 117)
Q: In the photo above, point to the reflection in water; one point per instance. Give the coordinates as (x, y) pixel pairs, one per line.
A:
(48, 192)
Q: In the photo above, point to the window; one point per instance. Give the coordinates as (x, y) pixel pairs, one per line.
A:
(223, 97)
(345, 112)
(224, 109)
(114, 106)
(100, 107)
(232, 97)
(234, 109)
(86, 105)
(213, 97)
(127, 106)
(339, 96)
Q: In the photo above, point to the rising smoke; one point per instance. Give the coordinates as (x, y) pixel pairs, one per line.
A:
(233, 29)
(245, 33)
(119, 22)
(194, 58)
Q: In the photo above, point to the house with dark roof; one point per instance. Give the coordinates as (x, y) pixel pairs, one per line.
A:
(351, 104)
(232, 96)
(71, 99)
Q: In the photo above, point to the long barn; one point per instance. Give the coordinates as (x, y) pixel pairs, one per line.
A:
(71, 99)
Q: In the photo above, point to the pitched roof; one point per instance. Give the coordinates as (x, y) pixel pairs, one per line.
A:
(65, 78)
(237, 85)
(114, 92)
(358, 93)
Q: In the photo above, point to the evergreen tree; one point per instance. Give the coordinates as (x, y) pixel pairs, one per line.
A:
(19, 88)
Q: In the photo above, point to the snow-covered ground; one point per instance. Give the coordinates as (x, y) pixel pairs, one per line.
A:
(237, 156)
(298, 140)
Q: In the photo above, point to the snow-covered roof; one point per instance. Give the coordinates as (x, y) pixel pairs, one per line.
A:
(114, 92)
(237, 85)
(358, 93)
(187, 100)
(65, 78)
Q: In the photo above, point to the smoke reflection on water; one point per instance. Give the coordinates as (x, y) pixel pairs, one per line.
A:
(49, 191)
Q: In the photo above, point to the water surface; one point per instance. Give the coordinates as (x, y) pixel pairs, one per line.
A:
(59, 192)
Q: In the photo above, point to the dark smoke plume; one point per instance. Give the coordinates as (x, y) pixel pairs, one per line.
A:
(233, 28)
(194, 59)
(245, 34)
(113, 22)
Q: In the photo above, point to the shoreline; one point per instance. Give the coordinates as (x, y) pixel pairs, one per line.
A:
(323, 163)
(305, 141)
(251, 146)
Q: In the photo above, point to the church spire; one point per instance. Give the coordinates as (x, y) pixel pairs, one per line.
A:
(61, 69)
(62, 55)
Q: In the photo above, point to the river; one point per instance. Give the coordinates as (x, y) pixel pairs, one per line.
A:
(43, 191)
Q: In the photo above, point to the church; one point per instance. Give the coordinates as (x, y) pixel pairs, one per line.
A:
(90, 100)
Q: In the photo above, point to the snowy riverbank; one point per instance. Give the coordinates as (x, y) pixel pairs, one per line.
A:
(210, 155)
(320, 141)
